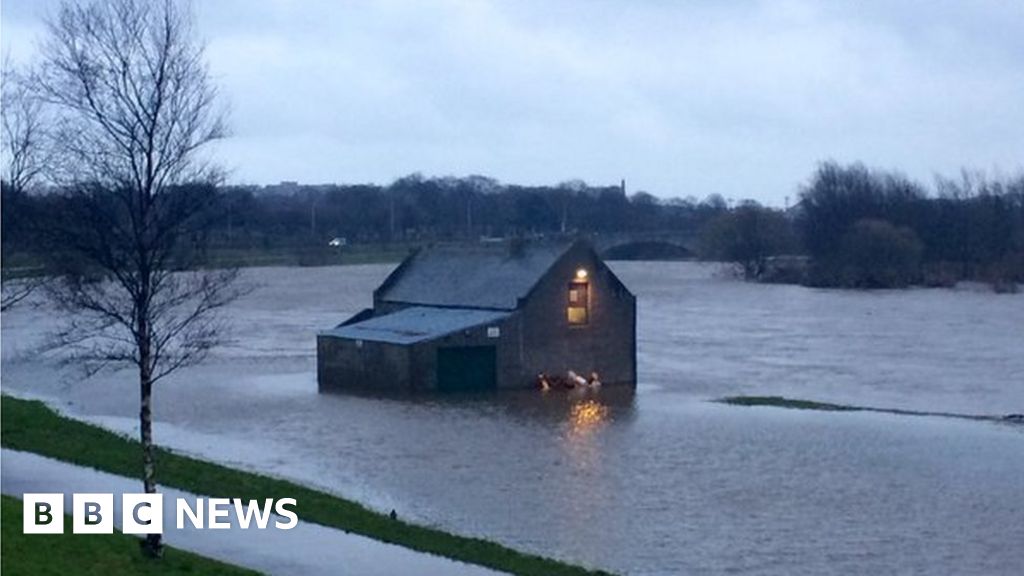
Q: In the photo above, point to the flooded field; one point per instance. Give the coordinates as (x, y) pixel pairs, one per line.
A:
(657, 482)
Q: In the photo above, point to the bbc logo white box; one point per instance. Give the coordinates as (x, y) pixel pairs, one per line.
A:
(43, 514)
(142, 514)
(92, 514)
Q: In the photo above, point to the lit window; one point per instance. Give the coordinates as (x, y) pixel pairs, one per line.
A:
(578, 309)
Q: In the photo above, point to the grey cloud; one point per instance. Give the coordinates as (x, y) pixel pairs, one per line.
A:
(739, 98)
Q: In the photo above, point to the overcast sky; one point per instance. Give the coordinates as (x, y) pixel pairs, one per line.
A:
(679, 98)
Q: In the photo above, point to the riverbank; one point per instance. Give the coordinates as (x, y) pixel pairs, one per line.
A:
(33, 427)
(27, 265)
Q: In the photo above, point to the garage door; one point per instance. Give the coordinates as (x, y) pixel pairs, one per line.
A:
(466, 368)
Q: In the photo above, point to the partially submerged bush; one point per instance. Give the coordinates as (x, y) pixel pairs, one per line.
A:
(876, 254)
(872, 254)
(748, 235)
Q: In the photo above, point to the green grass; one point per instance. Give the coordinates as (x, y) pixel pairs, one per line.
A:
(31, 426)
(307, 256)
(781, 402)
(25, 264)
(91, 554)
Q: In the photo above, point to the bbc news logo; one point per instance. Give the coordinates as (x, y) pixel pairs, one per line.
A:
(144, 513)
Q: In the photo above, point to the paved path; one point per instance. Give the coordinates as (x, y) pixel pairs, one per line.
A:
(308, 548)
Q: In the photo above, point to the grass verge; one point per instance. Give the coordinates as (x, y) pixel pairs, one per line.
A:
(781, 402)
(25, 265)
(307, 256)
(91, 554)
(31, 426)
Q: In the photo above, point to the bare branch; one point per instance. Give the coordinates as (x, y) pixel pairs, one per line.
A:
(25, 152)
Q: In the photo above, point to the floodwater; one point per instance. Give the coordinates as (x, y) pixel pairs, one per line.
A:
(657, 482)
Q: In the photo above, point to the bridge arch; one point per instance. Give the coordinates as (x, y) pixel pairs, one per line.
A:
(645, 246)
(647, 250)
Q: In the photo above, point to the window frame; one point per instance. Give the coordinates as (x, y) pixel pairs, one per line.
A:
(578, 285)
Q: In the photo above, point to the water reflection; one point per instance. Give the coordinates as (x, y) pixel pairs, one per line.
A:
(581, 442)
(576, 411)
(573, 438)
(586, 417)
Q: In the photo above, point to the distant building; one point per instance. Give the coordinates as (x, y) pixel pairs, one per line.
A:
(484, 316)
(284, 188)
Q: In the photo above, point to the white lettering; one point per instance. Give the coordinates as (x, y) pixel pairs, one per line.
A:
(195, 517)
(293, 518)
(247, 513)
(218, 508)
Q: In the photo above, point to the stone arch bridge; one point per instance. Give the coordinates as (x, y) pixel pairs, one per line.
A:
(669, 244)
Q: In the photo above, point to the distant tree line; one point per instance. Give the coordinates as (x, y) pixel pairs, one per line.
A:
(413, 209)
(852, 226)
(858, 227)
(873, 228)
(418, 209)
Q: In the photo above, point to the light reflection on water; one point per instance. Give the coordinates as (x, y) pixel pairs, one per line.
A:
(651, 481)
(585, 418)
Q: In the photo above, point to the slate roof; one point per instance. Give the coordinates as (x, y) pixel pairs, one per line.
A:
(416, 324)
(478, 276)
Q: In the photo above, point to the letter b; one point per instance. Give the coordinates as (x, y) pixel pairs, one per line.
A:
(43, 514)
(93, 514)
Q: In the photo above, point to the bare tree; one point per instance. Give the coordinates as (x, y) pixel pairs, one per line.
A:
(24, 154)
(134, 107)
(749, 235)
(24, 150)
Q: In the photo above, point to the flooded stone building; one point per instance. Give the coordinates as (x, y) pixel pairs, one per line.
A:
(482, 316)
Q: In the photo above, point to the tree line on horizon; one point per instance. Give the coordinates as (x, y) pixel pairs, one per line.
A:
(855, 226)
(412, 209)
(858, 227)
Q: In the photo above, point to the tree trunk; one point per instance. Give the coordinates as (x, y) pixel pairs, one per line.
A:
(152, 545)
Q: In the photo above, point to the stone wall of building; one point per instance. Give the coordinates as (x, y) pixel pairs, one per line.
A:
(356, 364)
(606, 344)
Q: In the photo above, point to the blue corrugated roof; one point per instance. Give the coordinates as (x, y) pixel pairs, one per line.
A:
(416, 324)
